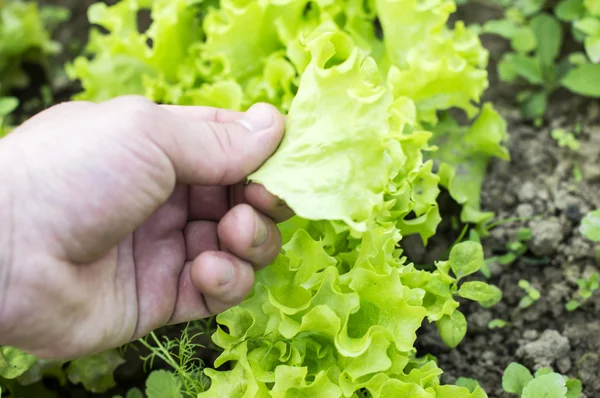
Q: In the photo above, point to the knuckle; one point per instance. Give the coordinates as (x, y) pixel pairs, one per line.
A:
(224, 147)
(136, 110)
(221, 137)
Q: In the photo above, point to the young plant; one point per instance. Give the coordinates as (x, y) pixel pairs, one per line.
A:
(590, 226)
(587, 287)
(187, 378)
(565, 139)
(536, 32)
(531, 294)
(497, 324)
(516, 248)
(25, 29)
(518, 380)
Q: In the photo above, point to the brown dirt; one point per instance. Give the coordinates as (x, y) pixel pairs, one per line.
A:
(538, 184)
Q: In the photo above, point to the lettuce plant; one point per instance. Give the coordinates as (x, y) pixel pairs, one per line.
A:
(25, 29)
(367, 87)
(537, 31)
(25, 32)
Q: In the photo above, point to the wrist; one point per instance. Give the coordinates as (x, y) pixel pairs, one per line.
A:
(7, 224)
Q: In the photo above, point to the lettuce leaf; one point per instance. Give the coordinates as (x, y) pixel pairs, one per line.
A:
(325, 169)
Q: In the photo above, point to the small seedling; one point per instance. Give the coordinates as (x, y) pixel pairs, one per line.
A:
(590, 226)
(497, 324)
(587, 287)
(518, 380)
(516, 248)
(565, 139)
(532, 296)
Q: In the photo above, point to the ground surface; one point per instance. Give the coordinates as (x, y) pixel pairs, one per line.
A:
(538, 185)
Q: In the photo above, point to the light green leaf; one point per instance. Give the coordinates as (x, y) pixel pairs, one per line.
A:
(486, 295)
(428, 63)
(529, 7)
(466, 258)
(501, 27)
(592, 48)
(163, 384)
(569, 10)
(574, 388)
(14, 362)
(452, 328)
(497, 324)
(470, 384)
(95, 372)
(515, 378)
(527, 67)
(590, 226)
(291, 381)
(534, 105)
(578, 80)
(465, 154)
(543, 371)
(351, 184)
(132, 393)
(524, 40)
(8, 105)
(548, 33)
(547, 386)
(593, 6)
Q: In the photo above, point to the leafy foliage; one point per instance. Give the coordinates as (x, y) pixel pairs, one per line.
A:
(518, 380)
(181, 355)
(95, 372)
(7, 106)
(531, 294)
(516, 248)
(590, 226)
(565, 139)
(163, 384)
(537, 31)
(25, 29)
(14, 362)
(587, 287)
(25, 37)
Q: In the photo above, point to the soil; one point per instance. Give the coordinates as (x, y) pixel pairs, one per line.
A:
(549, 189)
(538, 185)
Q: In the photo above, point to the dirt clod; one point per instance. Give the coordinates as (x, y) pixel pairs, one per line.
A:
(547, 234)
(550, 346)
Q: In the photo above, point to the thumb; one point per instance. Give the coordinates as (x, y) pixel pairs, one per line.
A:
(210, 146)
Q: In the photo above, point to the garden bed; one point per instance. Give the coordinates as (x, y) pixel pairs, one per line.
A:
(539, 198)
(539, 186)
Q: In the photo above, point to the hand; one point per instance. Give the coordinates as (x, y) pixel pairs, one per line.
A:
(122, 217)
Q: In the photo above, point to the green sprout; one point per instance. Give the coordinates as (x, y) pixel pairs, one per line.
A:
(532, 294)
(587, 287)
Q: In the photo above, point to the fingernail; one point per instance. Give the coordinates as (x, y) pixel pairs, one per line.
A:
(226, 271)
(258, 118)
(261, 232)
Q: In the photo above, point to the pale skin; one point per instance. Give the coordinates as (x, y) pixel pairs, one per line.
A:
(121, 217)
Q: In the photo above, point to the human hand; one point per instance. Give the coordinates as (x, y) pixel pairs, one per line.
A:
(122, 217)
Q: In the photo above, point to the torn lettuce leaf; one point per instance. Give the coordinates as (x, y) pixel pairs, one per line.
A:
(338, 153)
